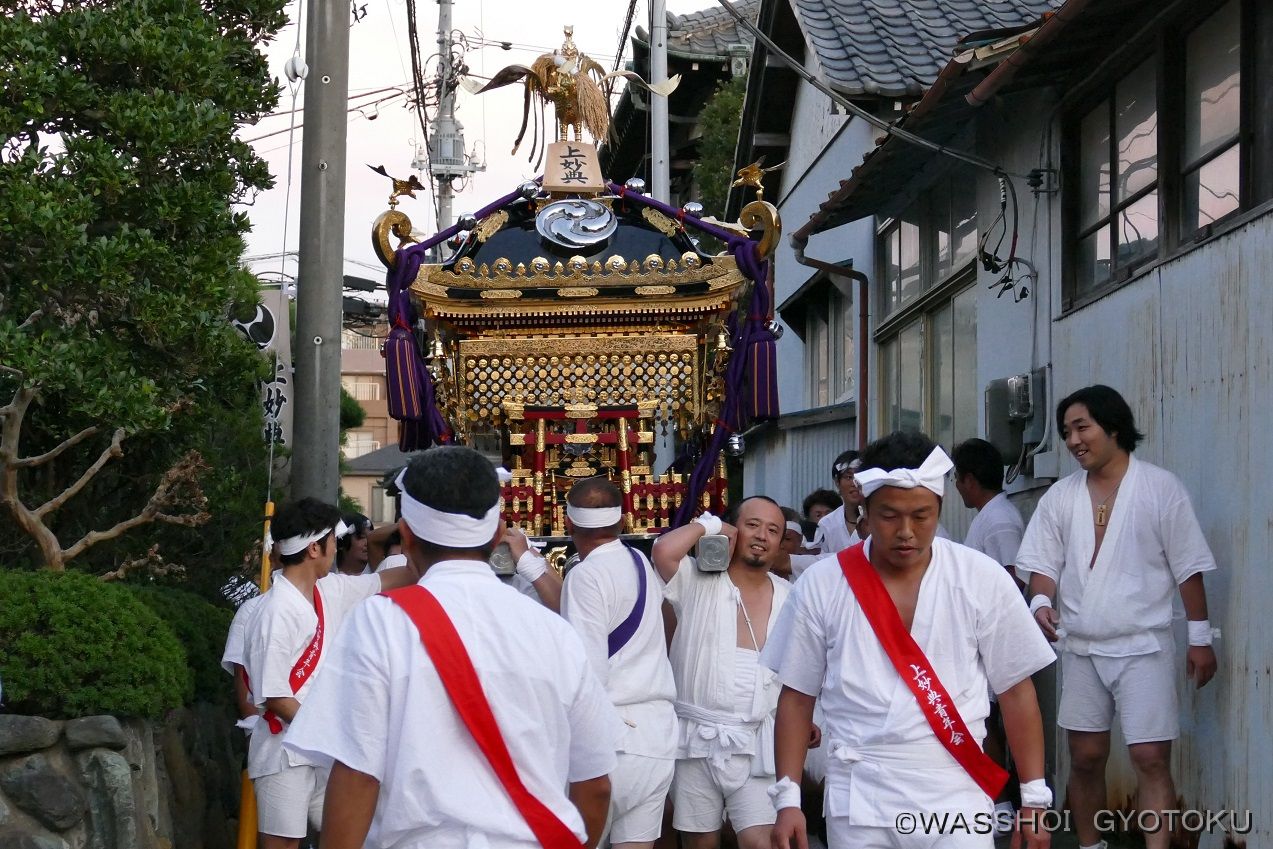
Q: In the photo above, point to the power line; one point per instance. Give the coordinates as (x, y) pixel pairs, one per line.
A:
(877, 122)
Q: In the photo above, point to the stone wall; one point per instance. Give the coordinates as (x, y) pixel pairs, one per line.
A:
(104, 783)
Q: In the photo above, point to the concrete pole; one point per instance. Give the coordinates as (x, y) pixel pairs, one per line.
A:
(660, 165)
(315, 468)
(446, 108)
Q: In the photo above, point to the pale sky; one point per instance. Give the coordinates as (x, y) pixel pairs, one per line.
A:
(379, 58)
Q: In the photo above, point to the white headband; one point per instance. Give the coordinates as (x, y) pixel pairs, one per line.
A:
(931, 475)
(503, 474)
(297, 544)
(452, 530)
(594, 517)
(343, 530)
(795, 526)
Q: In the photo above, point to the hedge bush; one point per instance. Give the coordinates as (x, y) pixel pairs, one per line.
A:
(201, 628)
(72, 645)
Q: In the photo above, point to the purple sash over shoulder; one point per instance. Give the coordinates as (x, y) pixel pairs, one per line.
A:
(627, 629)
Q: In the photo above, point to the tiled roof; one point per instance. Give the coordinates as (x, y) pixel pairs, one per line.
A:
(894, 48)
(708, 33)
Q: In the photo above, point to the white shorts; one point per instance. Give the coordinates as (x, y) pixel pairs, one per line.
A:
(702, 795)
(841, 835)
(1142, 688)
(638, 794)
(286, 799)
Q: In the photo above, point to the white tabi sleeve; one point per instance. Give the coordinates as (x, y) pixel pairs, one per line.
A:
(346, 716)
(1001, 544)
(274, 642)
(796, 649)
(594, 723)
(235, 639)
(1183, 542)
(344, 592)
(1043, 546)
(585, 604)
(1011, 646)
(677, 590)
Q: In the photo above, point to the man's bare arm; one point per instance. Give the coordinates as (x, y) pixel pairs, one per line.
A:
(670, 547)
(348, 808)
(792, 732)
(284, 707)
(1200, 661)
(242, 696)
(548, 585)
(1023, 724)
(1047, 618)
(592, 798)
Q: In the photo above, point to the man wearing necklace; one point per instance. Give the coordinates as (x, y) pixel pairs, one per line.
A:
(1118, 539)
(839, 527)
(726, 700)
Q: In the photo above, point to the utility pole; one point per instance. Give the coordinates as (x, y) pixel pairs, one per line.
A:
(316, 444)
(448, 160)
(660, 166)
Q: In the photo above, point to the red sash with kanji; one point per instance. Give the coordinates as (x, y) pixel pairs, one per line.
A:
(909, 661)
(451, 661)
(304, 667)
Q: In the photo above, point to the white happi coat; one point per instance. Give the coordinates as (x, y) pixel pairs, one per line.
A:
(835, 534)
(1122, 605)
(380, 709)
(996, 531)
(883, 757)
(278, 633)
(703, 654)
(599, 593)
(236, 638)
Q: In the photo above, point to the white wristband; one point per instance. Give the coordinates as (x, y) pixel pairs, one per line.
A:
(711, 524)
(531, 565)
(1036, 794)
(1200, 633)
(784, 794)
(1038, 601)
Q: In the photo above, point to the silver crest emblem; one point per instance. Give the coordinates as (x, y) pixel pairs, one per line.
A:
(576, 223)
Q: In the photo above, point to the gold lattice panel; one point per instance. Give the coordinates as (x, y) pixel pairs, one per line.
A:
(554, 371)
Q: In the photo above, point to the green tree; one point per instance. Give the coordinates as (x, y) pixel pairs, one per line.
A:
(714, 170)
(125, 390)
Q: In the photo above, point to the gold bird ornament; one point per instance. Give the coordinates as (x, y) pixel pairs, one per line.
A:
(754, 175)
(574, 85)
(401, 188)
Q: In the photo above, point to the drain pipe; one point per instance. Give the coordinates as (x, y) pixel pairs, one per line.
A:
(798, 245)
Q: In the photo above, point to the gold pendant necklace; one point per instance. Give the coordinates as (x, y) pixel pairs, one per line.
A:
(1100, 508)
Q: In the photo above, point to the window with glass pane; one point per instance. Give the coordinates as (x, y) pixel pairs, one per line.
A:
(1210, 157)
(966, 394)
(890, 413)
(942, 361)
(890, 261)
(1117, 212)
(909, 282)
(819, 360)
(963, 217)
(910, 378)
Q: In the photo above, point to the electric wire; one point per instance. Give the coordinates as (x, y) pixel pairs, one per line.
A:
(875, 121)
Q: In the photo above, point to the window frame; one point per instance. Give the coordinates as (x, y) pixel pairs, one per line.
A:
(1166, 44)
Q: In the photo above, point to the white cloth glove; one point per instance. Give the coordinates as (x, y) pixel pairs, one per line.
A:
(784, 794)
(1200, 633)
(711, 524)
(1036, 794)
(531, 565)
